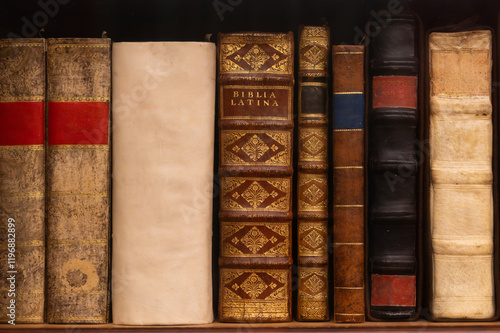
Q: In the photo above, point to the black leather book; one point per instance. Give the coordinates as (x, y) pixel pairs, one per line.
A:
(393, 171)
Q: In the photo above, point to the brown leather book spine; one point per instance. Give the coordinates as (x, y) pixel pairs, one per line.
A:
(255, 166)
(312, 189)
(78, 180)
(22, 180)
(348, 183)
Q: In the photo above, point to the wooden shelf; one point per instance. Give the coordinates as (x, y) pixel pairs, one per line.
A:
(415, 326)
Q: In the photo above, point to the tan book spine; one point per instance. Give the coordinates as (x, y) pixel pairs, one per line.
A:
(22, 180)
(312, 188)
(78, 180)
(461, 175)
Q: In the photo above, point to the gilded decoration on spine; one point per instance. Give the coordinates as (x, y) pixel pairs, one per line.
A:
(313, 53)
(22, 70)
(249, 293)
(312, 144)
(255, 239)
(313, 237)
(255, 194)
(313, 293)
(313, 194)
(248, 53)
(259, 147)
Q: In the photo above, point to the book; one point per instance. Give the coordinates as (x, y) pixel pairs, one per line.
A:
(461, 176)
(312, 188)
(255, 169)
(394, 170)
(78, 180)
(348, 184)
(163, 182)
(22, 180)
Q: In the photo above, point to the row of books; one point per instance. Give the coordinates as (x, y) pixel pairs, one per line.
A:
(399, 208)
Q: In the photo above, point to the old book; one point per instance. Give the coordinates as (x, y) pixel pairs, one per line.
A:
(22, 180)
(394, 171)
(461, 177)
(312, 189)
(78, 180)
(163, 170)
(348, 184)
(255, 167)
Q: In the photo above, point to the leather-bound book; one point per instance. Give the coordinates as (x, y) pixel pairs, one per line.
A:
(22, 180)
(461, 175)
(348, 184)
(312, 189)
(393, 171)
(255, 167)
(163, 171)
(78, 180)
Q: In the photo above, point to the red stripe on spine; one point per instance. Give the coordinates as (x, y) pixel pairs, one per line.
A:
(395, 91)
(393, 290)
(78, 123)
(22, 123)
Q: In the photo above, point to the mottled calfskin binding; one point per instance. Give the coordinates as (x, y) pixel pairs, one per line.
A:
(312, 189)
(78, 180)
(394, 170)
(22, 179)
(348, 183)
(255, 149)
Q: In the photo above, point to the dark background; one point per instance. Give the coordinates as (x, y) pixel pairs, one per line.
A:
(179, 20)
(192, 20)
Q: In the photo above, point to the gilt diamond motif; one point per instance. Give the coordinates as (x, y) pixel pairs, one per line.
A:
(256, 57)
(255, 148)
(314, 54)
(314, 239)
(253, 286)
(314, 193)
(254, 240)
(314, 284)
(314, 145)
(255, 194)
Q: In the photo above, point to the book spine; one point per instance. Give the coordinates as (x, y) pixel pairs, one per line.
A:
(393, 171)
(461, 175)
(22, 180)
(255, 167)
(348, 184)
(78, 180)
(163, 181)
(312, 188)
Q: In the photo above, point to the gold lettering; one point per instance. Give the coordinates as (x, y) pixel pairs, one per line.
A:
(266, 102)
(249, 101)
(250, 94)
(275, 103)
(241, 102)
(235, 93)
(272, 95)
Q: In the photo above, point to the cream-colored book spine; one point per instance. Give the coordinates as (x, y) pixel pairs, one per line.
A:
(461, 177)
(163, 143)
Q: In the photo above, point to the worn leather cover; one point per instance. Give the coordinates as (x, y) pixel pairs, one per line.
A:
(312, 189)
(22, 179)
(461, 197)
(394, 171)
(78, 180)
(348, 184)
(255, 166)
(164, 122)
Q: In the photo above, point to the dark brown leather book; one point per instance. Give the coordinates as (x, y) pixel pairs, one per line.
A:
(394, 171)
(78, 180)
(255, 149)
(348, 184)
(22, 180)
(312, 189)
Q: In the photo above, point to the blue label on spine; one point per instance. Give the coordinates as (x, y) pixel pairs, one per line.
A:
(348, 111)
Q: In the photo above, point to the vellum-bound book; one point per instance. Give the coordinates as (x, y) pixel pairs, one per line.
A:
(163, 142)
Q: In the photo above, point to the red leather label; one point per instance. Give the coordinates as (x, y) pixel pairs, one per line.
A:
(395, 91)
(78, 123)
(393, 290)
(22, 123)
